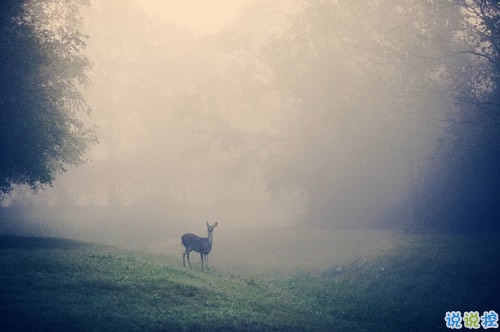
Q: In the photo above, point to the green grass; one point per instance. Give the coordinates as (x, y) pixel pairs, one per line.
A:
(49, 284)
(409, 287)
(60, 285)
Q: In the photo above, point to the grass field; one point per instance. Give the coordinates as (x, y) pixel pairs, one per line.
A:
(64, 285)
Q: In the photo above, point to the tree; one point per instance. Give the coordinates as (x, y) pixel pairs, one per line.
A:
(461, 190)
(42, 72)
(479, 84)
(358, 100)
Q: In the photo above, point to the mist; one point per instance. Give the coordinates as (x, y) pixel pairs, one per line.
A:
(262, 114)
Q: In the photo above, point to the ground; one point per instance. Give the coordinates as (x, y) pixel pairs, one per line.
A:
(58, 284)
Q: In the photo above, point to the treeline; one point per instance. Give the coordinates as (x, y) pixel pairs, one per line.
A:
(384, 112)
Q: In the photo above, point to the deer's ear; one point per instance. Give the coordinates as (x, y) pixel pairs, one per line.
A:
(216, 223)
(207, 224)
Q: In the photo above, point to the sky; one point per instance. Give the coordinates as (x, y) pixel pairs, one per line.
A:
(204, 17)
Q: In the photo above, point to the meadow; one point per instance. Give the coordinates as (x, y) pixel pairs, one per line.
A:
(399, 282)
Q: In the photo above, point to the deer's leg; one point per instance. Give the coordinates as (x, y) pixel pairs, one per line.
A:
(184, 254)
(206, 262)
(201, 255)
(187, 254)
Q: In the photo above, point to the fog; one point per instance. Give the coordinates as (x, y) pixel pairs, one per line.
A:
(200, 17)
(253, 114)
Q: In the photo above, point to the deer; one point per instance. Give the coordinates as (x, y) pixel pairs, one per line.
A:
(202, 245)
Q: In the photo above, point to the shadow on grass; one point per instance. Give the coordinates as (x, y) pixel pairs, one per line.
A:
(35, 243)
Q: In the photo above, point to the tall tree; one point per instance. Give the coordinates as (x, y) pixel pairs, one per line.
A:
(42, 72)
(463, 172)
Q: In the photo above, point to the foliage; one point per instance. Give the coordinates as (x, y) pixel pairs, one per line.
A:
(360, 95)
(478, 84)
(42, 71)
(349, 113)
(358, 78)
(460, 187)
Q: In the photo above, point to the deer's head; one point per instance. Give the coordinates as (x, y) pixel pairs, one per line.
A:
(210, 228)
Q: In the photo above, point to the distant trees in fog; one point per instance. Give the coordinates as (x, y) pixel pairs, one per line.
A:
(381, 112)
(395, 111)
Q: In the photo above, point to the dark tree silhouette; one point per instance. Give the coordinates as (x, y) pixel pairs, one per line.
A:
(42, 72)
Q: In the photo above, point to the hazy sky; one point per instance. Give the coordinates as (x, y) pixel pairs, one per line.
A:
(198, 15)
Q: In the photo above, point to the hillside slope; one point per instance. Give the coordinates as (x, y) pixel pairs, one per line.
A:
(60, 285)
(53, 284)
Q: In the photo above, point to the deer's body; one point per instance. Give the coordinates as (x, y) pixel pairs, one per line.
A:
(201, 245)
